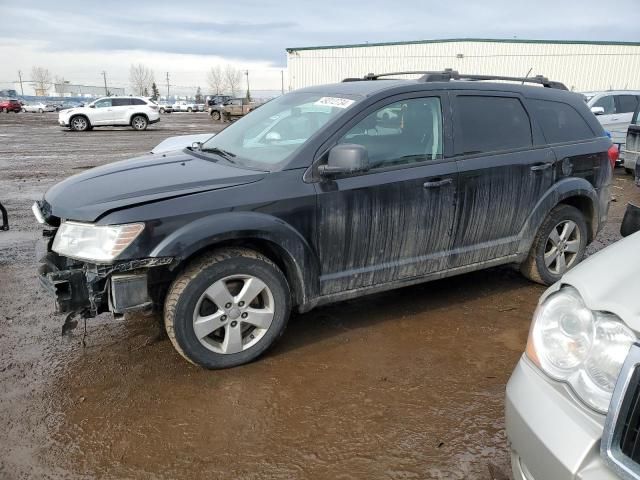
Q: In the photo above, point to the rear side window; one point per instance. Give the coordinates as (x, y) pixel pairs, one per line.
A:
(138, 101)
(490, 124)
(121, 102)
(560, 122)
(627, 103)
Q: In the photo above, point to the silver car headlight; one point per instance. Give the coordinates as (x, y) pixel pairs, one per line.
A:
(96, 243)
(584, 348)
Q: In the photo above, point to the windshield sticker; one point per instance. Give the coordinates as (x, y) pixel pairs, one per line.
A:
(335, 102)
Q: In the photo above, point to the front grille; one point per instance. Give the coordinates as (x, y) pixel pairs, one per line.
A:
(620, 444)
(630, 423)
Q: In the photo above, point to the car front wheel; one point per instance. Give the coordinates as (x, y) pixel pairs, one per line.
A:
(79, 123)
(227, 308)
(139, 122)
(558, 246)
(215, 115)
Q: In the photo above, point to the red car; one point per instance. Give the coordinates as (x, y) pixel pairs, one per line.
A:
(7, 106)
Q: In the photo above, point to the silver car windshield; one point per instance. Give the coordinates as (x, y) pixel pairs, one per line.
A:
(269, 135)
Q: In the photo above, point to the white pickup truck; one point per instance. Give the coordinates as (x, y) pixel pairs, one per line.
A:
(185, 106)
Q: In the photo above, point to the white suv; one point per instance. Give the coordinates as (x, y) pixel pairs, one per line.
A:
(138, 112)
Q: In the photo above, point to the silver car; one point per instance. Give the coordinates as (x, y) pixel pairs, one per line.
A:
(614, 109)
(570, 414)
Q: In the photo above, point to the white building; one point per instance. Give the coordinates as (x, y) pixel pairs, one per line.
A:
(580, 65)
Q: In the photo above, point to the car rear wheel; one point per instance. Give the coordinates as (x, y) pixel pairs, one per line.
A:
(215, 115)
(227, 308)
(24, 110)
(4, 110)
(79, 123)
(139, 122)
(189, 110)
(558, 246)
(162, 110)
(40, 110)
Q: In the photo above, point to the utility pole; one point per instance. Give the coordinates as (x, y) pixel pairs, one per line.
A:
(282, 80)
(246, 72)
(167, 85)
(106, 90)
(20, 77)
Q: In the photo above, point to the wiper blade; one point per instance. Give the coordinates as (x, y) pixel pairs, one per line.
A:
(219, 151)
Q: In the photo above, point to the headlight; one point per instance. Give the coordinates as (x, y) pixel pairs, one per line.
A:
(576, 345)
(97, 243)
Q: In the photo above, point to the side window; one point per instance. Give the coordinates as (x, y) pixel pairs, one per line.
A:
(607, 103)
(490, 124)
(121, 102)
(626, 103)
(404, 132)
(138, 101)
(560, 122)
(103, 103)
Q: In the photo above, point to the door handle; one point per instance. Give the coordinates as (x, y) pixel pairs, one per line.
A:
(541, 166)
(437, 183)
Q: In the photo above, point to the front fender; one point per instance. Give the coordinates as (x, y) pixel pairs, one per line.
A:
(562, 190)
(206, 232)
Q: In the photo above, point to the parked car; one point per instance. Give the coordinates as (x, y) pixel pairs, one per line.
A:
(68, 105)
(632, 148)
(138, 112)
(10, 105)
(311, 200)
(235, 107)
(165, 107)
(184, 106)
(38, 107)
(614, 109)
(572, 401)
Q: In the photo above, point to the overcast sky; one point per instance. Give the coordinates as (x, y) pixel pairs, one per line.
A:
(79, 39)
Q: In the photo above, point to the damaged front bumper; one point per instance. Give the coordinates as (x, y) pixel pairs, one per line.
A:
(90, 289)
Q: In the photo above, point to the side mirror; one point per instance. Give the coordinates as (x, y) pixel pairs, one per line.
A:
(597, 110)
(631, 221)
(92, 106)
(346, 158)
(196, 146)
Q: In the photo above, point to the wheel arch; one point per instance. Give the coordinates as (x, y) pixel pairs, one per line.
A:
(136, 114)
(578, 193)
(272, 237)
(75, 115)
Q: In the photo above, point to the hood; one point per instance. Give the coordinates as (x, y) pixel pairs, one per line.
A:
(180, 142)
(609, 281)
(91, 194)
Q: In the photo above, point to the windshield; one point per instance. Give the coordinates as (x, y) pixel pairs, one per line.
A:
(271, 133)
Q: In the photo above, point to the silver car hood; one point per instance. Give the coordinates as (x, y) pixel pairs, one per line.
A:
(609, 280)
(182, 141)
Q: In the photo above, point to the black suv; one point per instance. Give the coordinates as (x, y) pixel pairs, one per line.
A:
(330, 193)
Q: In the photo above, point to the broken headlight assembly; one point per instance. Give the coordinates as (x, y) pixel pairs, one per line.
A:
(581, 347)
(94, 243)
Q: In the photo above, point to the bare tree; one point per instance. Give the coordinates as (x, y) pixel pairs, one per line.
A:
(41, 79)
(215, 79)
(140, 78)
(232, 78)
(60, 86)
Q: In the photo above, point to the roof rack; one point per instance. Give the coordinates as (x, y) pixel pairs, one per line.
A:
(449, 74)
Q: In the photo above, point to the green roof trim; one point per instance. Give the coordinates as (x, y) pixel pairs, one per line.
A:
(484, 40)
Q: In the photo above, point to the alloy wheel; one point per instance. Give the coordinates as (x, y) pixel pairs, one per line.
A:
(79, 124)
(139, 123)
(233, 314)
(561, 249)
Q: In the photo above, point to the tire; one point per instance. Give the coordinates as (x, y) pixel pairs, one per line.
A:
(216, 115)
(544, 264)
(139, 122)
(24, 110)
(40, 110)
(4, 110)
(189, 110)
(162, 110)
(79, 123)
(186, 301)
(628, 171)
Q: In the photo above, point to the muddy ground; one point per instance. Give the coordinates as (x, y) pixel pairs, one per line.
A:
(405, 384)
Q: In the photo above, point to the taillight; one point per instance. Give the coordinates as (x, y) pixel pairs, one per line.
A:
(613, 155)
